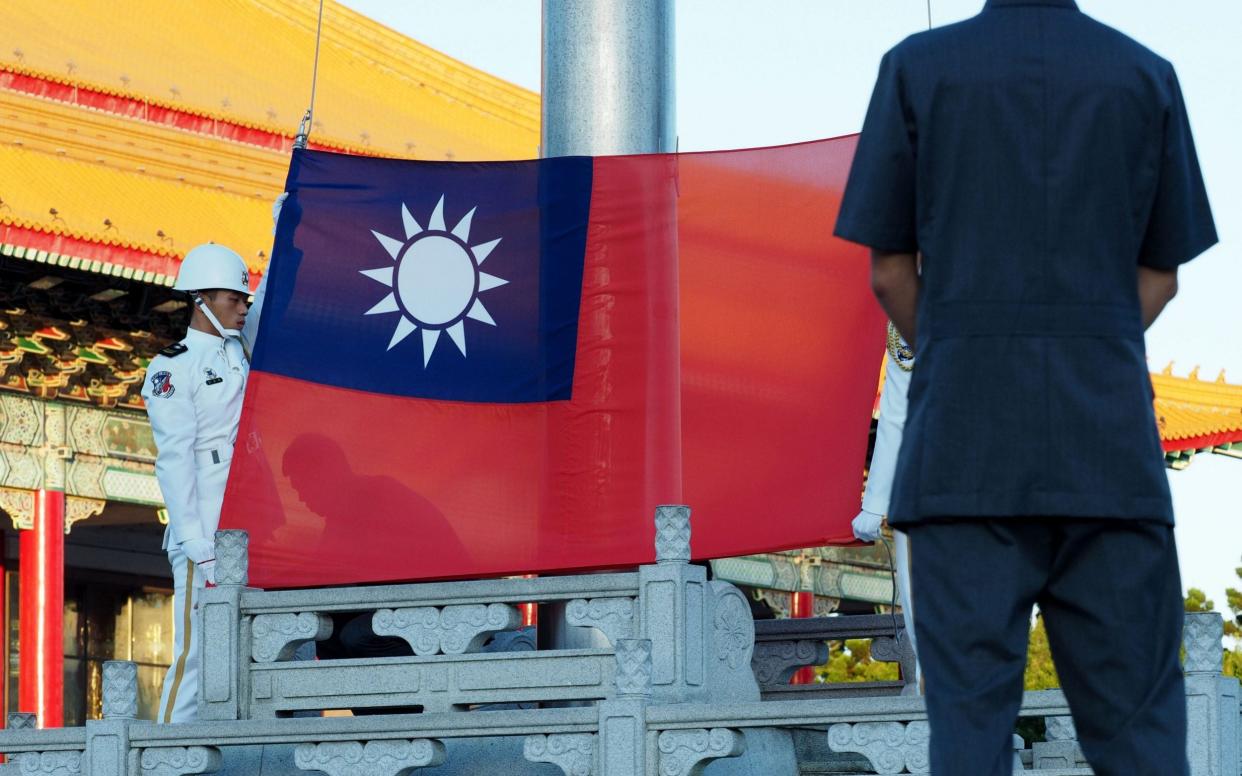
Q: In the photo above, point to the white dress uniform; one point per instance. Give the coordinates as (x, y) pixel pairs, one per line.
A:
(193, 392)
(888, 432)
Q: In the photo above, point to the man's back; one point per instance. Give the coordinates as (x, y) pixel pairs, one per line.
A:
(1035, 158)
(1042, 165)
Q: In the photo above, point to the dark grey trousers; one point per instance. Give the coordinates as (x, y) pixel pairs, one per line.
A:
(1111, 598)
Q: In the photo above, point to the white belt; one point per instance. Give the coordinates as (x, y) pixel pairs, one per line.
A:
(213, 456)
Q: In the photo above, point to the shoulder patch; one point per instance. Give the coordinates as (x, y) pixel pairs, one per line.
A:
(174, 350)
(161, 385)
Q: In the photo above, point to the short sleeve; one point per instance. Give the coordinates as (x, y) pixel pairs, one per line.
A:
(878, 209)
(1180, 224)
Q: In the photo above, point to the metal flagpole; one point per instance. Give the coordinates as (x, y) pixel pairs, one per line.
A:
(607, 89)
(299, 140)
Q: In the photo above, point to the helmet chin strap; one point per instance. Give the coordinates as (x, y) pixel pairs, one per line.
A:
(215, 323)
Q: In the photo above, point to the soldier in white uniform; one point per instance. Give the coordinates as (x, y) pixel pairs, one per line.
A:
(193, 392)
(889, 427)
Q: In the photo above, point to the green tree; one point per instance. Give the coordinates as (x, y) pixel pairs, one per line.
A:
(1041, 674)
(851, 661)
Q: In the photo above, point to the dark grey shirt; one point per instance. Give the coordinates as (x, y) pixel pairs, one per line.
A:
(1035, 158)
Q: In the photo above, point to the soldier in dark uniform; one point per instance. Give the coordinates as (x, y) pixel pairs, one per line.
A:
(1042, 165)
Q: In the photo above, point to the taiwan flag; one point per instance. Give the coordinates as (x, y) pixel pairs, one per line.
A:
(480, 369)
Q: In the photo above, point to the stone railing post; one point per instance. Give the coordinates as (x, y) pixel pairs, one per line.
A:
(1060, 748)
(673, 611)
(1211, 699)
(22, 720)
(107, 739)
(224, 645)
(623, 720)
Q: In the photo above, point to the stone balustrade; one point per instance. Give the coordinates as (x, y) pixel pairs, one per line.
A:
(672, 693)
(784, 646)
(702, 634)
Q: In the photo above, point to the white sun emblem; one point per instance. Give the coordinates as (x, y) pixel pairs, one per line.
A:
(436, 280)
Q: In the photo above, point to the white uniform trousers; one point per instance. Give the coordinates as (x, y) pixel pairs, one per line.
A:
(179, 697)
(901, 561)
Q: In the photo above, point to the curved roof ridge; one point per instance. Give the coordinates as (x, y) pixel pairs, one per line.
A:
(248, 62)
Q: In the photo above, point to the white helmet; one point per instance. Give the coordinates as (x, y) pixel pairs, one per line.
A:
(213, 266)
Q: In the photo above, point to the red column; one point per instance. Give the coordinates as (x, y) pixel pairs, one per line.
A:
(802, 604)
(41, 668)
(4, 632)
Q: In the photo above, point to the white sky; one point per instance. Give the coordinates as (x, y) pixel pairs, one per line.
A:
(762, 73)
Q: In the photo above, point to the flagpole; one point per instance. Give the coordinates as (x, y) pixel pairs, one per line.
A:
(608, 88)
(304, 128)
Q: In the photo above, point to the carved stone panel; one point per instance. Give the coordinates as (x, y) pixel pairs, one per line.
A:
(1202, 639)
(776, 662)
(47, 763)
(22, 720)
(612, 616)
(277, 636)
(372, 758)
(120, 689)
(891, 747)
(232, 557)
(688, 752)
(733, 629)
(672, 534)
(573, 753)
(633, 668)
(179, 760)
(451, 630)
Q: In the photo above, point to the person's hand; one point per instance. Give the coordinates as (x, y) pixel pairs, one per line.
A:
(199, 550)
(202, 553)
(867, 526)
(208, 567)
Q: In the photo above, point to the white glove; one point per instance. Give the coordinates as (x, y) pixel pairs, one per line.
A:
(208, 567)
(867, 526)
(276, 206)
(202, 552)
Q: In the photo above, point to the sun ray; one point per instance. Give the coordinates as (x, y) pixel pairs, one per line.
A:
(481, 251)
(436, 224)
(392, 246)
(479, 313)
(405, 327)
(412, 227)
(488, 282)
(386, 305)
(457, 333)
(462, 230)
(430, 338)
(383, 275)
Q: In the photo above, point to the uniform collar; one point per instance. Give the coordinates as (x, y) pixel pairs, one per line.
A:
(993, 4)
(201, 339)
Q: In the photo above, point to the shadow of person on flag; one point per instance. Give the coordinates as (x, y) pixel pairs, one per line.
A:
(333, 499)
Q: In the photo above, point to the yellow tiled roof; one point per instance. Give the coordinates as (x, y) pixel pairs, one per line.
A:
(249, 61)
(1188, 408)
(138, 206)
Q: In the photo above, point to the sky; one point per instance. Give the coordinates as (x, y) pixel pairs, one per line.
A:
(757, 74)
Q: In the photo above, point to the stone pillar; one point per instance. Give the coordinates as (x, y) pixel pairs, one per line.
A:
(674, 599)
(225, 646)
(623, 720)
(41, 628)
(107, 739)
(1211, 699)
